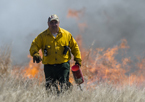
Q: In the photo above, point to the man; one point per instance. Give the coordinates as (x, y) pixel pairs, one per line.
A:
(56, 44)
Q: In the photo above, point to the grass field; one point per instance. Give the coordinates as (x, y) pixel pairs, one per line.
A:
(15, 88)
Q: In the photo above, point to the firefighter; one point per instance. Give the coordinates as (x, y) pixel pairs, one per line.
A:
(56, 44)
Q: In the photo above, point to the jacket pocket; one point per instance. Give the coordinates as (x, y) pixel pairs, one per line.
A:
(60, 48)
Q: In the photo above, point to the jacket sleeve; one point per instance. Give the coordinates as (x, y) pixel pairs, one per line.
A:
(36, 45)
(75, 49)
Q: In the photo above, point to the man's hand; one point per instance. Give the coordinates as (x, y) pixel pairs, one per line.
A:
(37, 58)
(78, 63)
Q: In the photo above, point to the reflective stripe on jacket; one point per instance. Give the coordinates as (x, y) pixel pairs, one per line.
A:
(55, 47)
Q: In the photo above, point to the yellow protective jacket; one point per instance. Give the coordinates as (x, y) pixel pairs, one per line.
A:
(55, 47)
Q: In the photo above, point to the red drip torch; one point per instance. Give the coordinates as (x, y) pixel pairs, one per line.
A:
(77, 73)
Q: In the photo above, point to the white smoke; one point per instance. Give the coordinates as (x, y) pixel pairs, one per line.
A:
(108, 22)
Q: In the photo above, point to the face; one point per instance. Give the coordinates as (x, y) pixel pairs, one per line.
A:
(53, 26)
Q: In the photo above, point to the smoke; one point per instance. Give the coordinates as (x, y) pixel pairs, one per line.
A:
(108, 21)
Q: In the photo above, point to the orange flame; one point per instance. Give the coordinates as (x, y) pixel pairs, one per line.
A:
(78, 14)
(33, 70)
(82, 27)
(75, 13)
(101, 65)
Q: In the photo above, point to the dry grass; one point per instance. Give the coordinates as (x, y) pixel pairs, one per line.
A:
(5, 60)
(20, 90)
(14, 88)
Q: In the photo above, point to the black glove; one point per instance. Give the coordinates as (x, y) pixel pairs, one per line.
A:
(37, 58)
(78, 63)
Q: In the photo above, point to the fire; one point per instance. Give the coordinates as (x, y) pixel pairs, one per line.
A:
(105, 67)
(75, 13)
(100, 65)
(33, 70)
(82, 27)
(78, 14)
